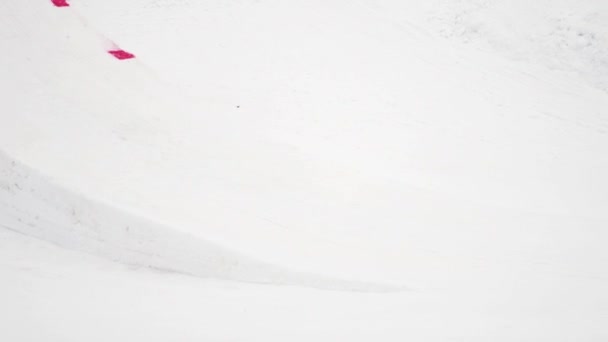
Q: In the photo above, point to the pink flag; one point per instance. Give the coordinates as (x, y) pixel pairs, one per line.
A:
(60, 3)
(121, 54)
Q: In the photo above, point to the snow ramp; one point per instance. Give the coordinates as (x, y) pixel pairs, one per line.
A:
(68, 82)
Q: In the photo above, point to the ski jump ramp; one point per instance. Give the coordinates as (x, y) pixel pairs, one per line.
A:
(115, 99)
(261, 142)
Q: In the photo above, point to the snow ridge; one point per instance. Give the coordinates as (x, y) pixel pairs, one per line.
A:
(33, 206)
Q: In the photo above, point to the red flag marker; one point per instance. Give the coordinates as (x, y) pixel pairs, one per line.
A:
(121, 54)
(60, 3)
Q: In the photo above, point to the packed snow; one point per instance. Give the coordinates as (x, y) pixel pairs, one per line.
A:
(264, 170)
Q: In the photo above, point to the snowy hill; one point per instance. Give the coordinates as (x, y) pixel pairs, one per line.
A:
(433, 154)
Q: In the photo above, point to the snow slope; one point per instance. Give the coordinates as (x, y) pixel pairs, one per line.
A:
(442, 149)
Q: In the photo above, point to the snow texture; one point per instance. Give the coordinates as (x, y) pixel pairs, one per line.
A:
(424, 170)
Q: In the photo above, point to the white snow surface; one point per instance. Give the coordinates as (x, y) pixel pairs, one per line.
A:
(270, 170)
